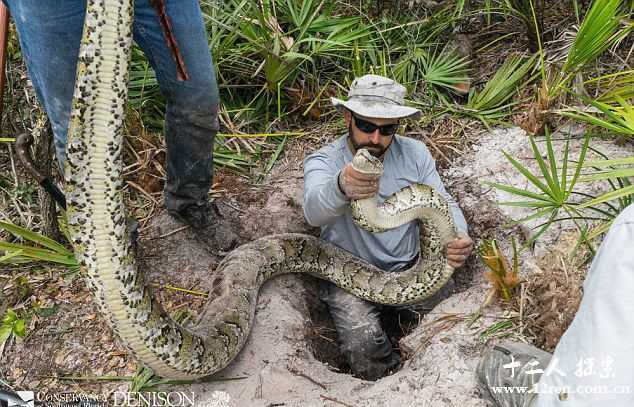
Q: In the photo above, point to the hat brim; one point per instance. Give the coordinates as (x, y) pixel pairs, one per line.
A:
(379, 110)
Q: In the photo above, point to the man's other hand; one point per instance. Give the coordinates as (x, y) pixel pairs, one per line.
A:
(458, 250)
(357, 185)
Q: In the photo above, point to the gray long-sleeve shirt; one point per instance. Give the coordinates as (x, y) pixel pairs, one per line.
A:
(406, 161)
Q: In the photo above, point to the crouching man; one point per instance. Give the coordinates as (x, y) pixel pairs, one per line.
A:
(372, 113)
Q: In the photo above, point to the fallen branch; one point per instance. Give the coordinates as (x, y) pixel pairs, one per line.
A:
(305, 376)
(334, 400)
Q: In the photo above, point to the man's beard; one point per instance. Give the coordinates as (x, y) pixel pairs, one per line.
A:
(376, 150)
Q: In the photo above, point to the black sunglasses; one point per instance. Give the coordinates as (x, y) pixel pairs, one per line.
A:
(367, 127)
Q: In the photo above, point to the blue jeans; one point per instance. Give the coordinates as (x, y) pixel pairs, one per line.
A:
(50, 32)
(362, 339)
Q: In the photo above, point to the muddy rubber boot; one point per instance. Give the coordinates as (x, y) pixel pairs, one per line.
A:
(368, 351)
(509, 372)
(211, 229)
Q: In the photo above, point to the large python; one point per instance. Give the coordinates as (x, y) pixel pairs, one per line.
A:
(96, 217)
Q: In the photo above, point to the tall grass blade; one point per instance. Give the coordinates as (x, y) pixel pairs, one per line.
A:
(597, 33)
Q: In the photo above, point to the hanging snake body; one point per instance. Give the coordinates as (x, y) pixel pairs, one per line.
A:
(96, 217)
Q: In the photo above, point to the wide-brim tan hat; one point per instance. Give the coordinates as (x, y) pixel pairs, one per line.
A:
(378, 97)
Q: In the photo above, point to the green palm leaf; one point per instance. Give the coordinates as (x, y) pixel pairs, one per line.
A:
(445, 69)
(35, 238)
(598, 31)
(503, 85)
(555, 189)
(610, 196)
(619, 119)
(21, 253)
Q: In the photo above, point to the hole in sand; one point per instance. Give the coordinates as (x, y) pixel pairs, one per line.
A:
(322, 335)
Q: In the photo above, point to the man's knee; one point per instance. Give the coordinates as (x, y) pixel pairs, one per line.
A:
(196, 104)
(363, 342)
(348, 310)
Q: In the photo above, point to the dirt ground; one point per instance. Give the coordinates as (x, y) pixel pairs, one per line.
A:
(443, 350)
(291, 357)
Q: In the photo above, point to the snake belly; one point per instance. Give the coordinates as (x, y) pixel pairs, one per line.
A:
(97, 227)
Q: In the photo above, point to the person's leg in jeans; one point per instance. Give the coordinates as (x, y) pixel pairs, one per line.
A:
(363, 341)
(592, 363)
(50, 34)
(191, 116)
(191, 119)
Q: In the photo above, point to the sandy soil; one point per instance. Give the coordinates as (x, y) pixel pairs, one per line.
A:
(277, 366)
(278, 369)
(282, 363)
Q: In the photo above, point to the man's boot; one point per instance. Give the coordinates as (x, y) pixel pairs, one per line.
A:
(509, 372)
(214, 231)
(368, 351)
(191, 124)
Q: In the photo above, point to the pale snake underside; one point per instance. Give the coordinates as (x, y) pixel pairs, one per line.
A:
(97, 226)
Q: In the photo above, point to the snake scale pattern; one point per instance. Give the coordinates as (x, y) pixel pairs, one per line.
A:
(96, 217)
